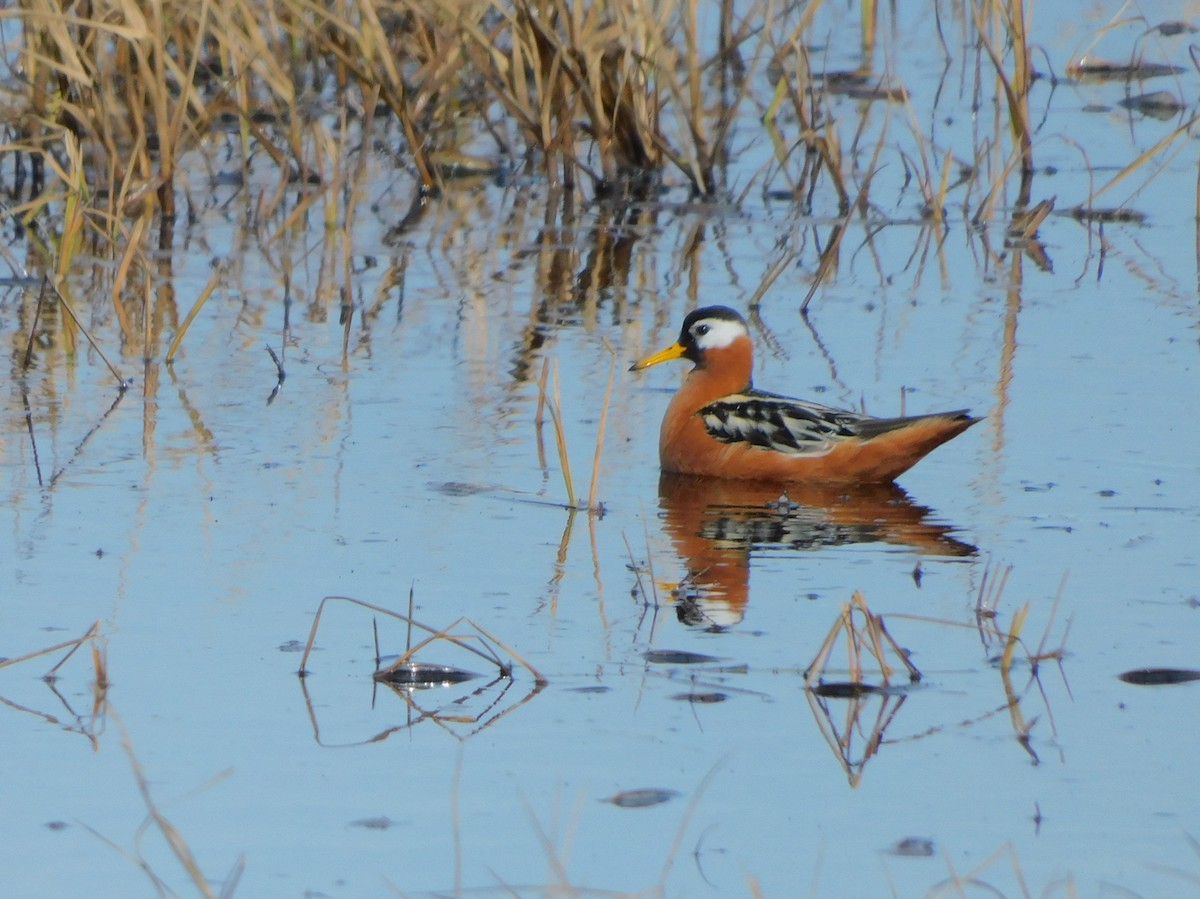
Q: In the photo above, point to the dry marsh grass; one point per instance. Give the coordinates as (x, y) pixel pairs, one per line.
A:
(123, 106)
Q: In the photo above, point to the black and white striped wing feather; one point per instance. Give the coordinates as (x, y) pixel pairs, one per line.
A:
(777, 422)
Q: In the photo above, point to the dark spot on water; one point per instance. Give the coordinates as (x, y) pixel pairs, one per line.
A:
(912, 847)
(844, 690)
(677, 657)
(643, 798)
(598, 688)
(56, 825)
(1153, 677)
(1156, 104)
(383, 822)
(1106, 493)
(291, 646)
(458, 488)
(1171, 29)
(1089, 214)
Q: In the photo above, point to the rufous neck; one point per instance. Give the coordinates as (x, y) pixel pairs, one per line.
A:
(728, 369)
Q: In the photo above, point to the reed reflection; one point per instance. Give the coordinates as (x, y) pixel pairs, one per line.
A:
(716, 525)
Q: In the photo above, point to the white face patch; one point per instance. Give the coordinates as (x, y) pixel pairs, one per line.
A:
(717, 333)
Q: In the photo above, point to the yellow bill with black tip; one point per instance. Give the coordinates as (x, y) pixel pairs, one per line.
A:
(674, 351)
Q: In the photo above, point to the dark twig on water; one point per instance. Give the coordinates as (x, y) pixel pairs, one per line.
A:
(280, 375)
(37, 316)
(122, 382)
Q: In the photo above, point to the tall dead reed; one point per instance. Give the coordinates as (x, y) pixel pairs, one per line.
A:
(1003, 24)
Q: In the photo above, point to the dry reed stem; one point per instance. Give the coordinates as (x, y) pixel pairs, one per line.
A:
(446, 634)
(560, 437)
(1016, 88)
(1041, 650)
(132, 247)
(873, 637)
(175, 841)
(1025, 223)
(828, 260)
(93, 633)
(562, 884)
(987, 205)
(122, 383)
(684, 821)
(160, 887)
(593, 503)
(787, 255)
(443, 633)
(213, 281)
(1141, 158)
(539, 416)
(538, 419)
(27, 356)
(957, 885)
(1013, 637)
(840, 739)
(1022, 729)
(1010, 638)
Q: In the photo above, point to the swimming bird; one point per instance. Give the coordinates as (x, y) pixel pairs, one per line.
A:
(719, 425)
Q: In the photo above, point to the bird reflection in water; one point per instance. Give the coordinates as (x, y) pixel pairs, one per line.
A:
(715, 525)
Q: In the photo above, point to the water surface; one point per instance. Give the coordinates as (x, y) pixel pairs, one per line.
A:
(201, 527)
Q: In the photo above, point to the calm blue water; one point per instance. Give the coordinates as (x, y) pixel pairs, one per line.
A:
(201, 527)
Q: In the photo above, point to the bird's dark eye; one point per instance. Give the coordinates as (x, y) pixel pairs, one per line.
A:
(701, 330)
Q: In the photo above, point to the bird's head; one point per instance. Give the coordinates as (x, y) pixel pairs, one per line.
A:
(710, 329)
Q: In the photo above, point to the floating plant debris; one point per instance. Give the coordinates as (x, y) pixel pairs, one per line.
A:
(457, 164)
(1104, 70)
(383, 822)
(677, 657)
(1157, 104)
(912, 847)
(1154, 677)
(1094, 214)
(844, 689)
(701, 698)
(1171, 29)
(643, 798)
(871, 92)
(459, 488)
